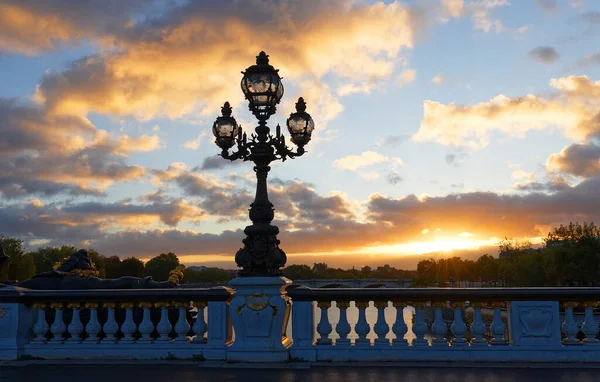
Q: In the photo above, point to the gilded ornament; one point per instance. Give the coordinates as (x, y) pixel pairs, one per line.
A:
(39, 305)
(73, 305)
(381, 304)
(127, 305)
(590, 304)
(570, 304)
(257, 301)
(324, 304)
(56, 305)
(343, 304)
(362, 304)
(145, 304)
(200, 304)
(176, 275)
(91, 305)
(109, 305)
(162, 304)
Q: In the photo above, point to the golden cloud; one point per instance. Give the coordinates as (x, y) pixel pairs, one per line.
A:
(573, 109)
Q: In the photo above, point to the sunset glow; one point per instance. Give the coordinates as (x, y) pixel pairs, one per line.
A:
(441, 127)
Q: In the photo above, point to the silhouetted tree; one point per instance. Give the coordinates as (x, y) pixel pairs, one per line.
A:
(132, 266)
(19, 266)
(298, 272)
(159, 267)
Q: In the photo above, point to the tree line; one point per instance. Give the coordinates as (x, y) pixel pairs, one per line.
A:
(23, 265)
(569, 256)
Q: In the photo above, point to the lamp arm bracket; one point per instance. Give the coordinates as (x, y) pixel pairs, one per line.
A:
(283, 151)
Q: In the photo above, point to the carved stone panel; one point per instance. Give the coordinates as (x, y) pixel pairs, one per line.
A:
(534, 323)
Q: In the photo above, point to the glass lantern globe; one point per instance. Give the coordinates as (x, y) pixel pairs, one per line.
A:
(262, 87)
(300, 124)
(225, 128)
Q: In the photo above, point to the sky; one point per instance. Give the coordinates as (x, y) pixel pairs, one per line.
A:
(442, 126)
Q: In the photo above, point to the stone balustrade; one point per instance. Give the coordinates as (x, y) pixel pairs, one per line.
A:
(491, 324)
(178, 323)
(252, 323)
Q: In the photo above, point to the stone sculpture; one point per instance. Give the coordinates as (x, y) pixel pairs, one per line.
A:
(79, 272)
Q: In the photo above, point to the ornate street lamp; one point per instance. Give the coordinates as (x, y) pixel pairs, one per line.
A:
(262, 87)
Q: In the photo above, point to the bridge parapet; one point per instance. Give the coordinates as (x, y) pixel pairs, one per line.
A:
(350, 324)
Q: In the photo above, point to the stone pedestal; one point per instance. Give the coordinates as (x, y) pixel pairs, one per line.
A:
(15, 324)
(259, 313)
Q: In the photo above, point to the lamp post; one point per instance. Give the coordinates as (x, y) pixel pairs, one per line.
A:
(262, 87)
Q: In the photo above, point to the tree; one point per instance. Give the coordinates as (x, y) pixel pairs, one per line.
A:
(132, 267)
(46, 257)
(112, 267)
(159, 267)
(298, 272)
(19, 265)
(98, 261)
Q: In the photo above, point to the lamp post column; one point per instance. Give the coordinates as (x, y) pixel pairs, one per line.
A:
(260, 309)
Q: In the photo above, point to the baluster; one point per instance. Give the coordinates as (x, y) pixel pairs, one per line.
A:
(381, 327)
(200, 326)
(111, 327)
(164, 327)
(58, 327)
(478, 327)
(343, 326)
(128, 327)
(400, 328)
(458, 327)
(93, 326)
(182, 327)
(40, 329)
(569, 327)
(419, 327)
(497, 327)
(362, 327)
(589, 326)
(146, 327)
(75, 328)
(324, 327)
(438, 327)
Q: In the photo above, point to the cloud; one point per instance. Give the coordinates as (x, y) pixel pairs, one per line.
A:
(546, 5)
(391, 140)
(139, 77)
(438, 80)
(216, 162)
(480, 12)
(577, 159)
(573, 109)
(354, 162)
(47, 154)
(590, 60)
(406, 77)
(394, 178)
(514, 215)
(453, 8)
(195, 143)
(30, 26)
(544, 54)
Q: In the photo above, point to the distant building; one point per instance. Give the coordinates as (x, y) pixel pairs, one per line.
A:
(197, 267)
(319, 267)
